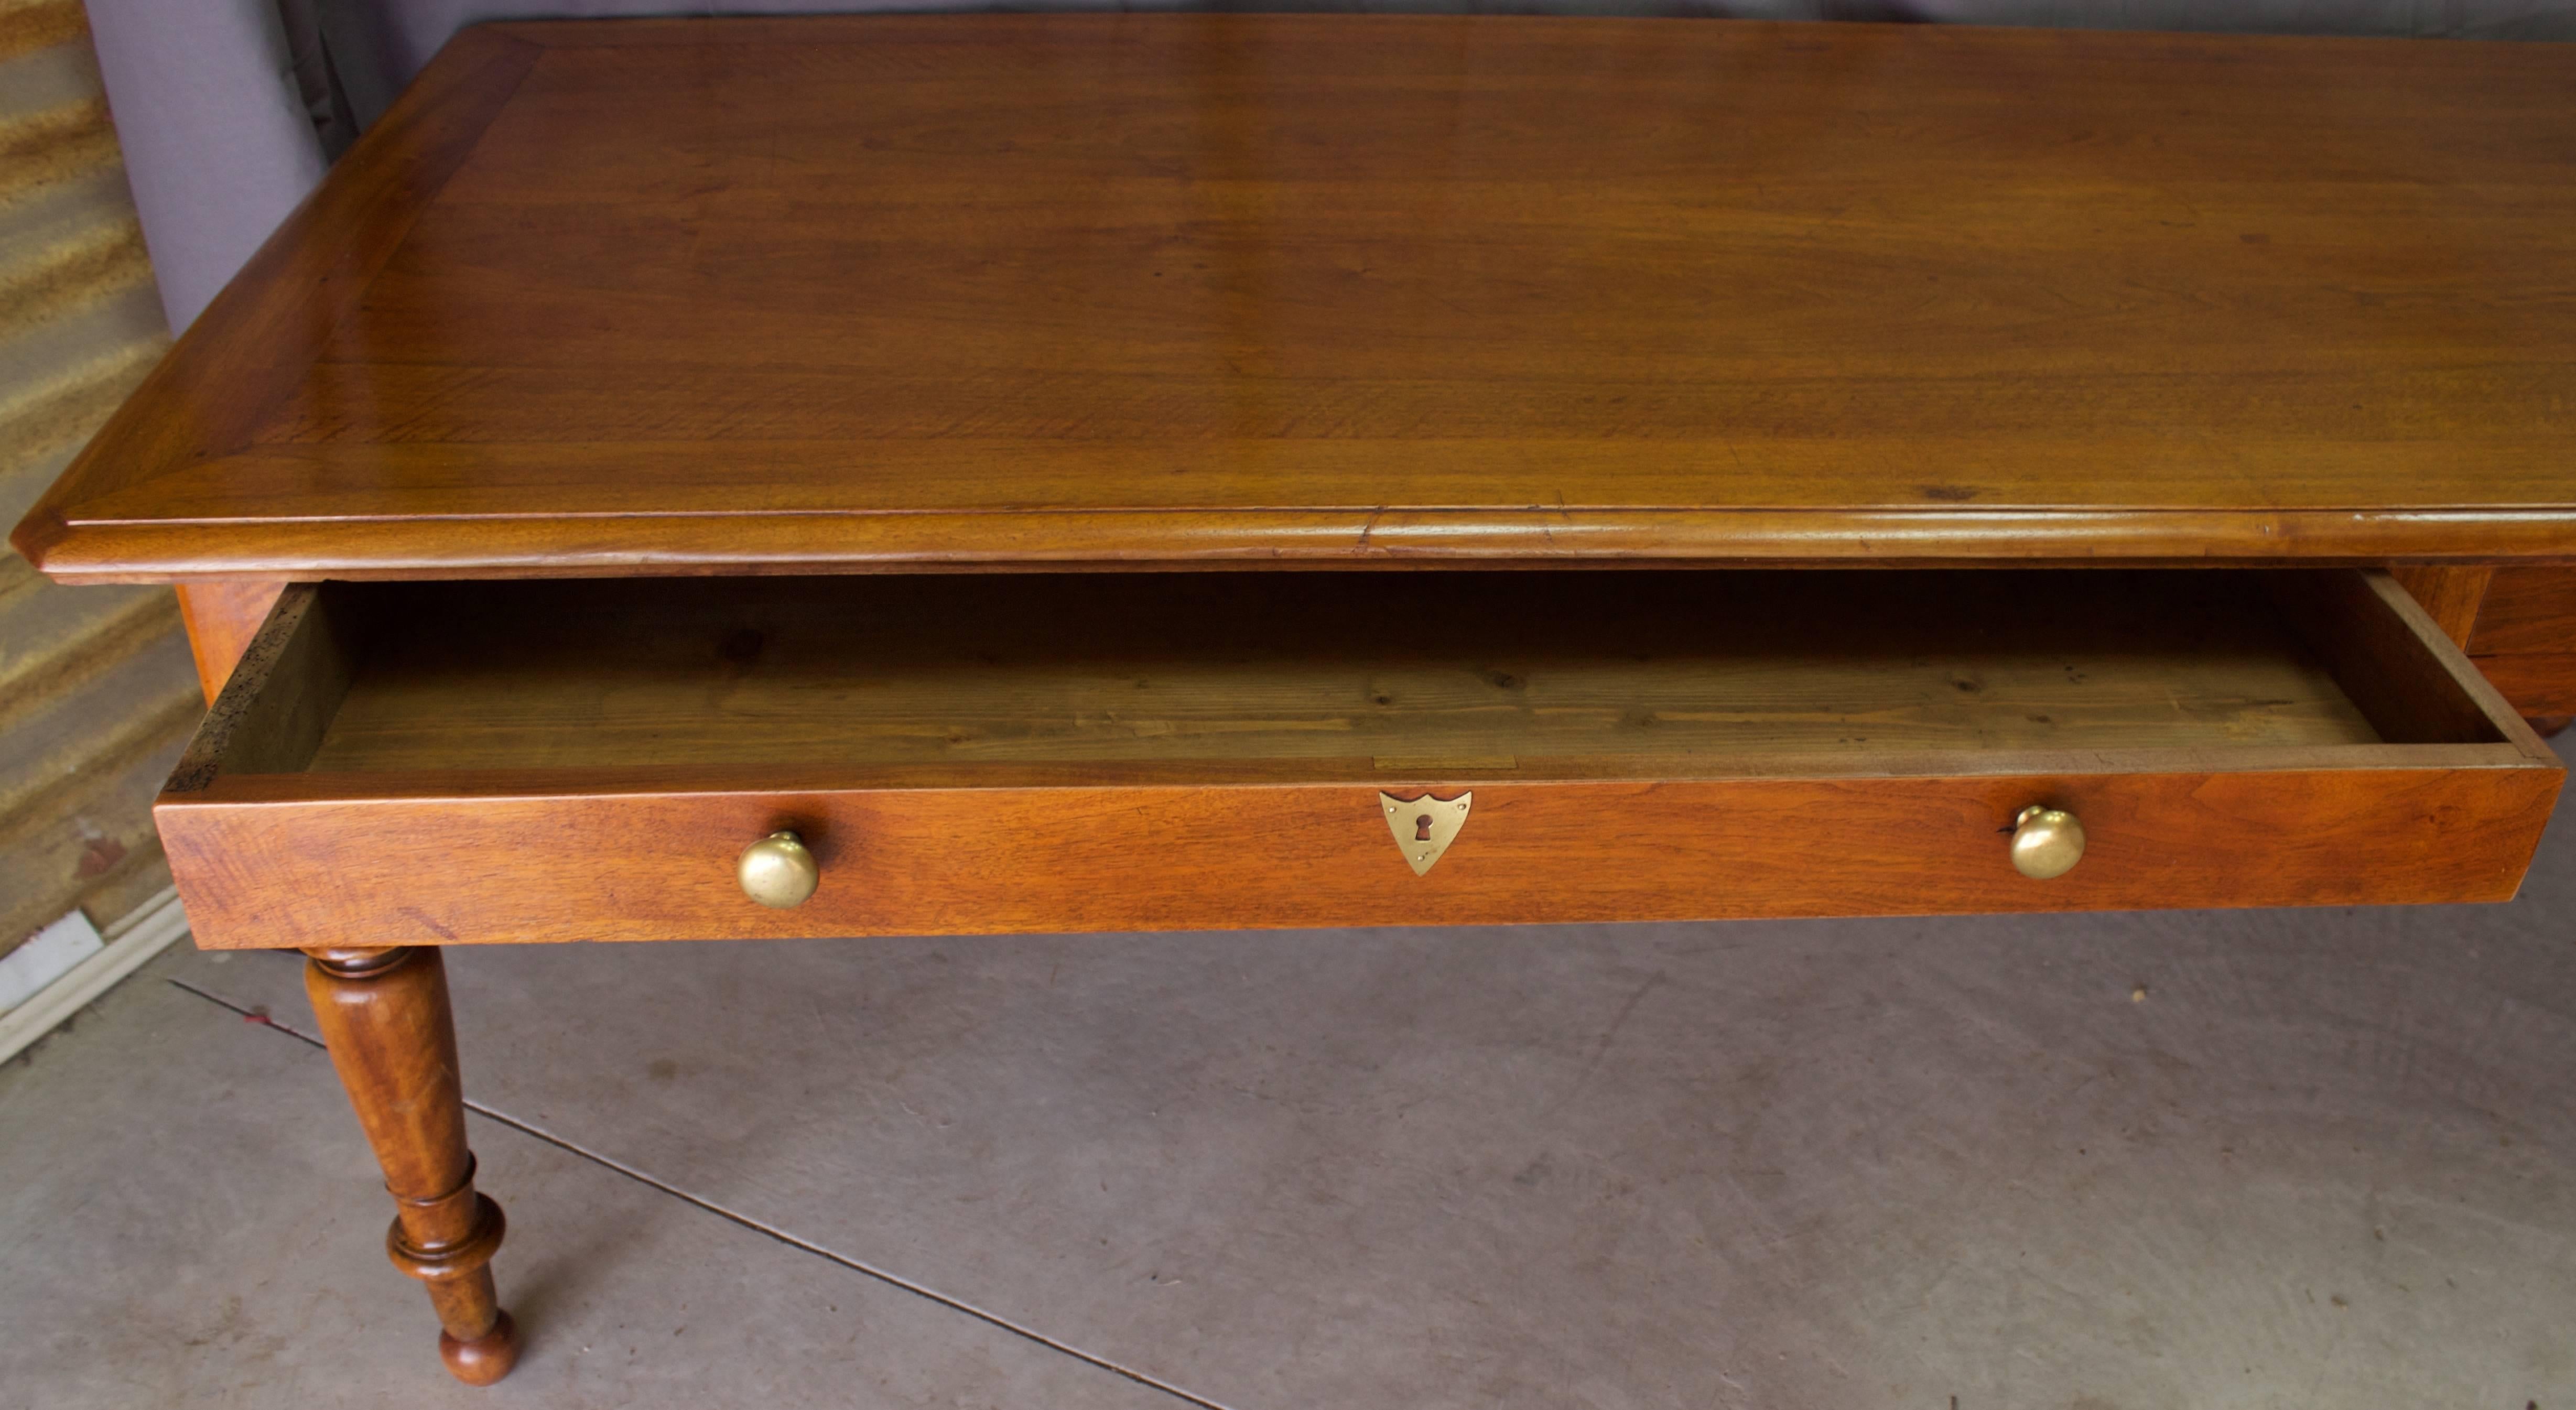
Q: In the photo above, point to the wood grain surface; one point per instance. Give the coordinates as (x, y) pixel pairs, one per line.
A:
(436, 763)
(2527, 612)
(885, 292)
(221, 618)
(1341, 673)
(384, 1014)
(656, 866)
(2526, 639)
(2451, 596)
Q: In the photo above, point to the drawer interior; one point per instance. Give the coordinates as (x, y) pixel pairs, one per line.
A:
(1323, 675)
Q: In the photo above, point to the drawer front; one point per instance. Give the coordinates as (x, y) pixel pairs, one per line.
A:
(947, 861)
(370, 776)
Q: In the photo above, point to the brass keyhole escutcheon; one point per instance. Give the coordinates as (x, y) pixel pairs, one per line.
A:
(1435, 824)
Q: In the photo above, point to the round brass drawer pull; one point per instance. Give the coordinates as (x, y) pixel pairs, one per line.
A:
(2046, 842)
(777, 871)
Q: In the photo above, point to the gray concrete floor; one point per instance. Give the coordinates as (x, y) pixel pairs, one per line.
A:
(2312, 1158)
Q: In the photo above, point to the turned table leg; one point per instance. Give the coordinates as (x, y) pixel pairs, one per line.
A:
(384, 1014)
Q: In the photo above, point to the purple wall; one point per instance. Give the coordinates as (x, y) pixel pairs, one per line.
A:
(221, 144)
(217, 144)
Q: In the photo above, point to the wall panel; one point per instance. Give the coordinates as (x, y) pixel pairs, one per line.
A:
(97, 693)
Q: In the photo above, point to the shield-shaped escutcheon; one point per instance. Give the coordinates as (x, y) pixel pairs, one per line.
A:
(1425, 826)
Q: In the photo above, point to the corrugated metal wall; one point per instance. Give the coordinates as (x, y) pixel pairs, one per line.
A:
(97, 693)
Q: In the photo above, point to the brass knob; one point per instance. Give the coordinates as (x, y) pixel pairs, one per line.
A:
(2046, 842)
(777, 871)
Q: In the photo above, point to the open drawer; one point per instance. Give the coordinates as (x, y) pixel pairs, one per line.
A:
(400, 763)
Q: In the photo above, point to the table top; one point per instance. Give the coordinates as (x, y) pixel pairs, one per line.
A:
(847, 293)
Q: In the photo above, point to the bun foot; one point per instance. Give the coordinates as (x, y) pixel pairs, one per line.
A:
(485, 1359)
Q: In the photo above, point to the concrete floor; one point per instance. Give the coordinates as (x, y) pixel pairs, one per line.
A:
(2315, 1158)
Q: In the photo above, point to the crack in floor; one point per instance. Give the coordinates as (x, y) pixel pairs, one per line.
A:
(755, 1225)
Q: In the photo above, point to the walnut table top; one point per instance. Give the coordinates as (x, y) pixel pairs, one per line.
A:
(838, 294)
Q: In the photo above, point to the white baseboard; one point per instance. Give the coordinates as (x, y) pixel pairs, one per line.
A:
(130, 941)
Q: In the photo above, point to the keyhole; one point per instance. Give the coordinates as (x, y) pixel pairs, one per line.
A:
(1422, 828)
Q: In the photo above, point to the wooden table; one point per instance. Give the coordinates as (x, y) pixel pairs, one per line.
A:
(659, 438)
